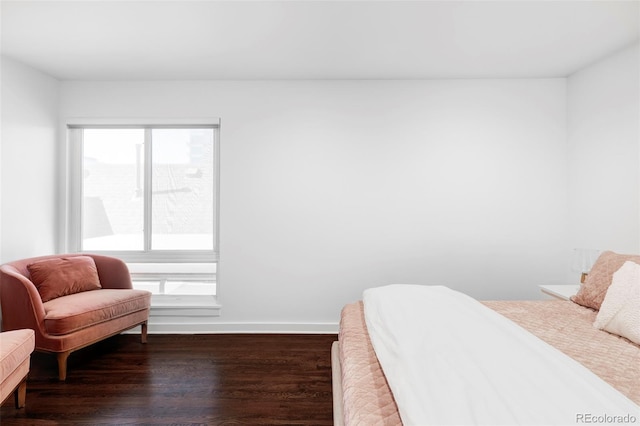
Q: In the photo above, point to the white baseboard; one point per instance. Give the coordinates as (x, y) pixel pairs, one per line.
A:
(241, 328)
(248, 328)
(204, 318)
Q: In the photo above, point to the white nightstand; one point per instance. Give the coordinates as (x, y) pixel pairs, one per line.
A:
(563, 292)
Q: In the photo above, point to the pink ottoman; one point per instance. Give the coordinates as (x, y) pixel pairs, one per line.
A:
(15, 353)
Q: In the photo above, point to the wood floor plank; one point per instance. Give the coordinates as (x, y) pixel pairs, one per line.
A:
(221, 379)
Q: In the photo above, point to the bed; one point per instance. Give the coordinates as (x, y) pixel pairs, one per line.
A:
(363, 395)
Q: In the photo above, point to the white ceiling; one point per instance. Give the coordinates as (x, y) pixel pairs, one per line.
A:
(184, 40)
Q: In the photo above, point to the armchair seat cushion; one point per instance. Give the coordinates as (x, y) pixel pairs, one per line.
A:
(74, 312)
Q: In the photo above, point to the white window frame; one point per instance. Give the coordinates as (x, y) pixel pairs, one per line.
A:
(73, 222)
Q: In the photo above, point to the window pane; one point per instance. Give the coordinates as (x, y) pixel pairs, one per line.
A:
(113, 203)
(183, 189)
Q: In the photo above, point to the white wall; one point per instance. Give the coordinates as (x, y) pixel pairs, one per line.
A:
(330, 187)
(28, 164)
(604, 153)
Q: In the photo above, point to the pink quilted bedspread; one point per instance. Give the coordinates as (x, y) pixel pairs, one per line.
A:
(564, 325)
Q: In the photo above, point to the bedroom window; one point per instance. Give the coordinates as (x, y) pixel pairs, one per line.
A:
(148, 194)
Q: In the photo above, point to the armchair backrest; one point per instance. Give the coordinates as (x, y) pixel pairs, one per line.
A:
(20, 301)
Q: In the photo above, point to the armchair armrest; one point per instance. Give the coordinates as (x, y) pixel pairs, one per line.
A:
(113, 273)
(20, 301)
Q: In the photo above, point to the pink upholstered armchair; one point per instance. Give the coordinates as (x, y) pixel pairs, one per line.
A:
(76, 314)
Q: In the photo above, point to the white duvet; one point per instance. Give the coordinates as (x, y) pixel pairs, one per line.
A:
(449, 360)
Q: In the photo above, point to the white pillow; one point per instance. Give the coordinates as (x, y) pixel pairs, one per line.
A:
(620, 310)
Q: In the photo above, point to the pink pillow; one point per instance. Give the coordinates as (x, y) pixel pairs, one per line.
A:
(592, 292)
(63, 276)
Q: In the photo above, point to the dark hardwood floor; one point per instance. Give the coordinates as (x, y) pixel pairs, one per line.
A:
(220, 379)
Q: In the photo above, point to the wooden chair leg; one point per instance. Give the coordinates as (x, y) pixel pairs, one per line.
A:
(62, 365)
(20, 394)
(143, 333)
